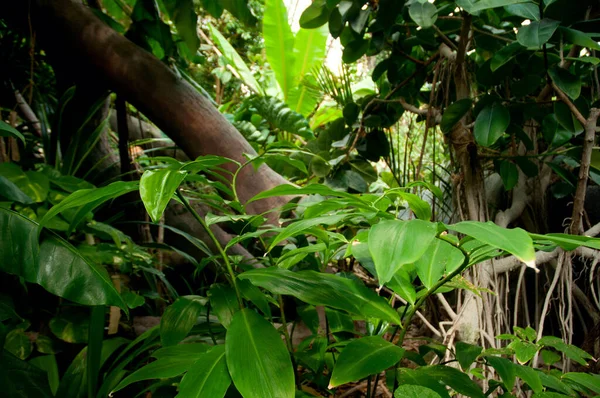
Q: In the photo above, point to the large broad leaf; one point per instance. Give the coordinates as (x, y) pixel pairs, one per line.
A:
(87, 200)
(490, 124)
(515, 241)
(6, 130)
(412, 391)
(223, 303)
(157, 188)
(170, 362)
(182, 13)
(279, 44)
(395, 243)
(506, 370)
(52, 263)
(537, 33)
(179, 318)
(566, 81)
(423, 13)
(324, 289)
(208, 377)
(259, 364)
(235, 60)
(466, 354)
(364, 357)
(439, 257)
(454, 113)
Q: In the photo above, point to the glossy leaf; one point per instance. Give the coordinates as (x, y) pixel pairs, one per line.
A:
(52, 263)
(179, 318)
(208, 377)
(324, 289)
(364, 357)
(451, 377)
(515, 241)
(157, 188)
(439, 257)
(279, 44)
(412, 391)
(490, 124)
(223, 302)
(454, 113)
(395, 243)
(537, 33)
(6, 130)
(524, 350)
(258, 361)
(423, 13)
(566, 81)
(504, 55)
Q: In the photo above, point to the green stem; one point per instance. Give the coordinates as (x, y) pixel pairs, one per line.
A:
(212, 236)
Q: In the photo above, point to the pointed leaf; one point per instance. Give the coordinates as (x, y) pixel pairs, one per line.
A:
(490, 124)
(566, 81)
(324, 289)
(6, 130)
(528, 11)
(395, 243)
(279, 44)
(537, 33)
(466, 354)
(223, 303)
(300, 226)
(439, 257)
(157, 188)
(208, 377)
(454, 113)
(179, 318)
(589, 381)
(412, 391)
(506, 370)
(364, 357)
(580, 38)
(259, 364)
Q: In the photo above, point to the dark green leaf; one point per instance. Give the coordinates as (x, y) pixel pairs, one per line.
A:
(317, 14)
(364, 357)
(179, 318)
(466, 354)
(240, 10)
(589, 381)
(454, 113)
(566, 81)
(506, 370)
(566, 119)
(527, 10)
(182, 13)
(6, 130)
(423, 13)
(537, 33)
(48, 364)
(579, 38)
(574, 353)
(490, 124)
(529, 376)
(223, 302)
(509, 174)
(258, 362)
(11, 192)
(410, 391)
(505, 54)
(208, 377)
(21, 380)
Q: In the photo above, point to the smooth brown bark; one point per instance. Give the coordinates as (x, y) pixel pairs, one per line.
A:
(74, 36)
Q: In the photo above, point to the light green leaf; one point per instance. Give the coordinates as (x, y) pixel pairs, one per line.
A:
(364, 357)
(300, 226)
(259, 364)
(401, 284)
(179, 318)
(537, 33)
(324, 289)
(509, 174)
(6, 130)
(439, 257)
(53, 263)
(182, 14)
(515, 241)
(235, 60)
(395, 243)
(423, 13)
(490, 124)
(279, 44)
(524, 350)
(412, 391)
(157, 188)
(566, 81)
(208, 377)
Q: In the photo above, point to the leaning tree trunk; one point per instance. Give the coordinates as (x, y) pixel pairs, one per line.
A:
(71, 32)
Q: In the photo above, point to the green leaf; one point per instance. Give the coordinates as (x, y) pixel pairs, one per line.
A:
(411, 391)
(213, 7)
(182, 14)
(364, 357)
(423, 13)
(401, 283)
(524, 350)
(487, 4)
(439, 257)
(277, 113)
(48, 364)
(589, 381)
(223, 302)
(579, 38)
(509, 174)
(11, 192)
(566, 81)
(574, 353)
(53, 263)
(240, 10)
(157, 188)
(87, 200)
(279, 44)
(506, 370)
(179, 318)
(537, 33)
(71, 325)
(22, 380)
(324, 289)
(18, 344)
(466, 354)
(208, 377)
(171, 362)
(554, 133)
(259, 364)
(529, 376)
(490, 124)
(566, 119)
(515, 241)
(452, 115)
(235, 60)
(395, 243)
(315, 15)
(6, 130)
(527, 10)
(505, 54)
(300, 226)
(454, 378)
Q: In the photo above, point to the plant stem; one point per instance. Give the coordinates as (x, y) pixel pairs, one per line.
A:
(212, 236)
